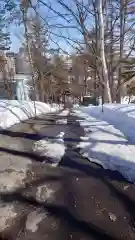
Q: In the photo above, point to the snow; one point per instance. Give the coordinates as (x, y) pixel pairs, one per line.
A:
(127, 98)
(33, 220)
(61, 121)
(7, 215)
(13, 111)
(64, 113)
(44, 193)
(75, 105)
(53, 149)
(109, 136)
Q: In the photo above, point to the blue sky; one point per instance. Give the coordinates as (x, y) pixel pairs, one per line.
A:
(17, 36)
(15, 43)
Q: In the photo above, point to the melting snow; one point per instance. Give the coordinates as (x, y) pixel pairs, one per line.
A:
(33, 219)
(64, 113)
(7, 214)
(44, 193)
(61, 121)
(53, 149)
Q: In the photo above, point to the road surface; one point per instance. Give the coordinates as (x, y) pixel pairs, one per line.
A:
(77, 200)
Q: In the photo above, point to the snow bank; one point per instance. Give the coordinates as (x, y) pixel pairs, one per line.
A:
(13, 111)
(122, 116)
(110, 136)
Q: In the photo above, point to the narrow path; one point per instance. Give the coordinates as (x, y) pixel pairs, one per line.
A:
(77, 200)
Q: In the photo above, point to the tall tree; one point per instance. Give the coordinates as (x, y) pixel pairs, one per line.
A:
(103, 30)
(6, 8)
(123, 7)
(38, 47)
(102, 52)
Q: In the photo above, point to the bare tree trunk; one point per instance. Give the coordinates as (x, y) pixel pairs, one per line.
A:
(96, 50)
(4, 70)
(7, 85)
(41, 86)
(24, 15)
(102, 53)
(111, 50)
(85, 79)
(122, 28)
(129, 99)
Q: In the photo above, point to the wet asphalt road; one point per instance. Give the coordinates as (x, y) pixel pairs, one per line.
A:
(77, 200)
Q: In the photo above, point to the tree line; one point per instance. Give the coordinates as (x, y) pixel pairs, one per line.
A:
(96, 38)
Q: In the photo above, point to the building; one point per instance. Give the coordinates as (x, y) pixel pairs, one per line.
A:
(11, 63)
(13, 84)
(22, 62)
(19, 88)
(67, 62)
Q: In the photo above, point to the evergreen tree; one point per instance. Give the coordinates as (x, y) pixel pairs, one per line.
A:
(6, 8)
(4, 35)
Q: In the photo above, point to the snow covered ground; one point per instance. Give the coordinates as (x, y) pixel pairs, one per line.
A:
(109, 136)
(13, 111)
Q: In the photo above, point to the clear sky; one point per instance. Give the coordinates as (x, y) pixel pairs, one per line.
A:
(52, 18)
(15, 43)
(16, 37)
